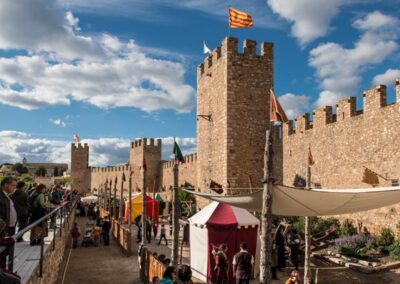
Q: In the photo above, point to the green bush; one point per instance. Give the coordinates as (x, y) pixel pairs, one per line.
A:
(385, 240)
(394, 250)
(347, 228)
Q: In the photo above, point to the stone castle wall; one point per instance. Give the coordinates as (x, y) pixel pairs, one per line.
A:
(342, 144)
(232, 117)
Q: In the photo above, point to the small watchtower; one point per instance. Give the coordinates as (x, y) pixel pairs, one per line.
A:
(80, 171)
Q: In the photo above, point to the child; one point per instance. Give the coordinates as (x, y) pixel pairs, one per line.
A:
(163, 234)
(75, 233)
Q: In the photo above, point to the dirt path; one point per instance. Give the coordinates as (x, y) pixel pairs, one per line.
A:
(103, 264)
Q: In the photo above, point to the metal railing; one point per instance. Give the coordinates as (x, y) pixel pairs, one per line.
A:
(69, 206)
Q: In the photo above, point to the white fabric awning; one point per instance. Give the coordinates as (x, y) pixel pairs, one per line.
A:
(290, 201)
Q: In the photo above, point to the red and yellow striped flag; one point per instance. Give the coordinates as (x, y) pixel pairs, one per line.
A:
(238, 19)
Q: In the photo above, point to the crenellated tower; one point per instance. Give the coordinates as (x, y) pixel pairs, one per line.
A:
(150, 150)
(232, 113)
(80, 171)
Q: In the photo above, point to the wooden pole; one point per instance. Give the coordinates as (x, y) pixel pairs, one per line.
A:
(115, 199)
(109, 200)
(130, 203)
(307, 229)
(266, 216)
(144, 219)
(121, 201)
(175, 218)
(153, 207)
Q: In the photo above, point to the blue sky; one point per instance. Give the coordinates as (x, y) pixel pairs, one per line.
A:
(115, 70)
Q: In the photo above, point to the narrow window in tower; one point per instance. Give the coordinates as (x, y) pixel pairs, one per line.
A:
(342, 115)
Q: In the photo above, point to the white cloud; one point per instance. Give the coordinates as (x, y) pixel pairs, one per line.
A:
(15, 145)
(339, 69)
(376, 20)
(61, 65)
(387, 78)
(294, 105)
(310, 18)
(58, 122)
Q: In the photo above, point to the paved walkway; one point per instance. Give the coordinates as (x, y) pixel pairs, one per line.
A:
(102, 264)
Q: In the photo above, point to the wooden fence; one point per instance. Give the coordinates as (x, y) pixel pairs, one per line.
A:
(122, 236)
(151, 267)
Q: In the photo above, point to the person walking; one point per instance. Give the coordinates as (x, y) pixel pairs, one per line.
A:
(8, 214)
(105, 229)
(294, 244)
(168, 275)
(280, 246)
(155, 229)
(148, 230)
(96, 235)
(163, 235)
(243, 263)
(221, 269)
(75, 234)
(20, 199)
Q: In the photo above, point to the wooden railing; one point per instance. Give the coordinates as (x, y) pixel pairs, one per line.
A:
(151, 267)
(122, 236)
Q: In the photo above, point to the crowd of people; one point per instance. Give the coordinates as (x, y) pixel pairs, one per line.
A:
(97, 229)
(21, 205)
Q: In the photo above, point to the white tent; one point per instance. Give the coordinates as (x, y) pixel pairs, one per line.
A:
(290, 201)
(216, 224)
(89, 199)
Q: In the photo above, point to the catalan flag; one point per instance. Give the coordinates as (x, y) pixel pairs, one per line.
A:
(239, 19)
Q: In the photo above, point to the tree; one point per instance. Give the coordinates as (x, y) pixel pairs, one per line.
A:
(27, 179)
(65, 181)
(20, 168)
(41, 172)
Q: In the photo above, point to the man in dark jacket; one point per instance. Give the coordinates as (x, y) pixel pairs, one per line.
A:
(243, 263)
(106, 231)
(7, 211)
(20, 199)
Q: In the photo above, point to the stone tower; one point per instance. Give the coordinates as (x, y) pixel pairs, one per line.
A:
(151, 151)
(233, 90)
(80, 171)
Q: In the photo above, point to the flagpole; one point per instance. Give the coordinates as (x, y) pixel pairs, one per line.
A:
(175, 213)
(130, 201)
(121, 198)
(144, 201)
(307, 225)
(229, 26)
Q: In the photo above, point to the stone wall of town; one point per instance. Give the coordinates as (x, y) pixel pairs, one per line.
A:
(53, 258)
(342, 144)
(232, 118)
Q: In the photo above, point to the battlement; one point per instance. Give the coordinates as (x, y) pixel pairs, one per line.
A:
(189, 159)
(229, 49)
(79, 146)
(374, 99)
(143, 142)
(119, 168)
